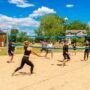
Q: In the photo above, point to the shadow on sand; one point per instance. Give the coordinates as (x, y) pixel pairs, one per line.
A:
(23, 73)
(60, 60)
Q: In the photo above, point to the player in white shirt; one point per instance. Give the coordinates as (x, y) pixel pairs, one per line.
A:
(49, 48)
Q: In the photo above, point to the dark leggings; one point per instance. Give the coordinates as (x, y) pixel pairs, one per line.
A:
(25, 60)
(86, 54)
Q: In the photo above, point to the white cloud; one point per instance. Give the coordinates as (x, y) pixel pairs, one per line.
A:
(9, 22)
(70, 5)
(21, 3)
(30, 32)
(42, 11)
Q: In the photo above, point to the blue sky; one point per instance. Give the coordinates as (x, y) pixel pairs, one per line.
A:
(23, 14)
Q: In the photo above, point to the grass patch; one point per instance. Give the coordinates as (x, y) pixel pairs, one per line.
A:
(20, 50)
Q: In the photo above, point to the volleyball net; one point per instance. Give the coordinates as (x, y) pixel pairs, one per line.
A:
(56, 41)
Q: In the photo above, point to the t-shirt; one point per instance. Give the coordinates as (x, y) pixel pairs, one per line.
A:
(49, 46)
(11, 47)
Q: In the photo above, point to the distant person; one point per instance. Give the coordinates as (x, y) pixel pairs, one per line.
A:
(11, 49)
(62, 42)
(49, 49)
(74, 47)
(87, 50)
(25, 60)
(44, 46)
(65, 53)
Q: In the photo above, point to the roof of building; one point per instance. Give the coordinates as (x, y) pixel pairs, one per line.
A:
(75, 31)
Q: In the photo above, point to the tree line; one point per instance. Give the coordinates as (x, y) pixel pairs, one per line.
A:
(50, 25)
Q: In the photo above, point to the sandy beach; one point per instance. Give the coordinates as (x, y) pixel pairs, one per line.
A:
(48, 74)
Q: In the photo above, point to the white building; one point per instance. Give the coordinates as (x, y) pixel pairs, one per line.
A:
(71, 33)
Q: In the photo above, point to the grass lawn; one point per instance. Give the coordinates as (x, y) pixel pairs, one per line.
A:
(19, 50)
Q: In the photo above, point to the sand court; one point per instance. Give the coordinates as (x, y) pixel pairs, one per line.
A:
(48, 74)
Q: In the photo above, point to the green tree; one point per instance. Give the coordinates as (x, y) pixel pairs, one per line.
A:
(88, 30)
(51, 25)
(13, 34)
(22, 36)
(76, 25)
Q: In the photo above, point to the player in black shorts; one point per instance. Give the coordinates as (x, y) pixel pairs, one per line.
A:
(25, 60)
(65, 53)
(11, 49)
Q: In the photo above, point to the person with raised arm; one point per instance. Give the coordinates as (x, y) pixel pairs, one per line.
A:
(25, 60)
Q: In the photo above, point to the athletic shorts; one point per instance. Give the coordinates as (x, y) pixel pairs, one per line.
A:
(43, 49)
(66, 56)
(10, 53)
(74, 48)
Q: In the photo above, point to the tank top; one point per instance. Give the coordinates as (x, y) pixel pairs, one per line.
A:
(26, 52)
